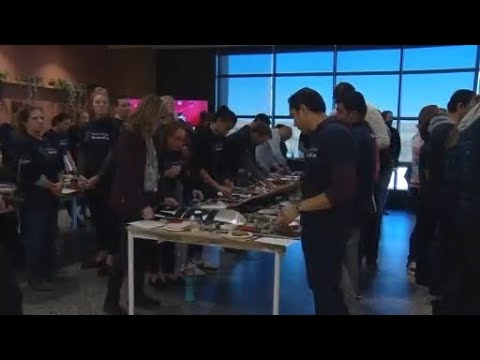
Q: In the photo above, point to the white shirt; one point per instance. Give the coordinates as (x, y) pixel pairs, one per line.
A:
(269, 154)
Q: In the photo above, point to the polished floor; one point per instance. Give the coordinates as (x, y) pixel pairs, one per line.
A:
(244, 283)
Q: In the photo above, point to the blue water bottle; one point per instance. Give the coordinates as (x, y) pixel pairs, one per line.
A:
(190, 283)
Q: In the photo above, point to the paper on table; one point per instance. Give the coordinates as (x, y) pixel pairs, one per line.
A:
(68, 191)
(218, 206)
(148, 224)
(276, 241)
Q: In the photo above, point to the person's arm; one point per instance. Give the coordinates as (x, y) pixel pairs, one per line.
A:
(275, 146)
(200, 161)
(341, 149)
(397, 146)
(31, 172)
(263, 157)
(379, 128)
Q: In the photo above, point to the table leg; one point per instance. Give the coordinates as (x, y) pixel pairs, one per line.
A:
(131, 292)
(276, 285)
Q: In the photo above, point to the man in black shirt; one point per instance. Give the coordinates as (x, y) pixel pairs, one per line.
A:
(352, 110)
(240, 148)
(122, 110)
(394, 151)
(328, 192)
(59, 138)
(208, 153)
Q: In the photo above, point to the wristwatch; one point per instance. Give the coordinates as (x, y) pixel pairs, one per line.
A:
(298, 207)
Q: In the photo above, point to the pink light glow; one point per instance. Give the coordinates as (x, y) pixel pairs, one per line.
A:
(187, 110)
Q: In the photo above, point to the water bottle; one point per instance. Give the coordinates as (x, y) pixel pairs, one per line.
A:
(190, 283)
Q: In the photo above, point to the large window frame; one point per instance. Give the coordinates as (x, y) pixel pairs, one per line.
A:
(334, 73)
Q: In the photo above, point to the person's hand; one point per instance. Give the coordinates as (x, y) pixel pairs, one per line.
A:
(148, 214)
(82, 182)
(173, 172)
(228, 184)
(287, 215)
(56, 188)
(269, 184)
(198, 195)
(171, 202)
(225, 190)
(92, 182)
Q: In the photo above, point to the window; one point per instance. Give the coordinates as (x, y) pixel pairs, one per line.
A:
(442, 57)
(431, 89)
(368, 60)
(379, 90)
(408, 129)
(402, 183)
(305, 62)
(246, 64)
(246, 96)
(292, 144)
(287, 86)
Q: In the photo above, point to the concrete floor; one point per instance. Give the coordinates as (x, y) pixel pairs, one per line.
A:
(244, 283)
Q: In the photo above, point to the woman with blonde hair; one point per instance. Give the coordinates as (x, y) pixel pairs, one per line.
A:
(167, 111)
(95, 155)
(135, 195)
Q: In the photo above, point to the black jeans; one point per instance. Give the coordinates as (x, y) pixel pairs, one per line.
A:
(143, 250)
(10, 294)
(103, 219)
(412, 254)
(11, 240)
(324, 251)
(39, 233)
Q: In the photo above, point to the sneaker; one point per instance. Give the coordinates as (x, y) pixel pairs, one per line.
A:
(205, 265)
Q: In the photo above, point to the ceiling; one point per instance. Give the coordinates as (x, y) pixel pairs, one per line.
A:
(176, 46)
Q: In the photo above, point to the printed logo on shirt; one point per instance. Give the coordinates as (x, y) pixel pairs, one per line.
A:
(218, 147)
(312, 153)
(99, 136)
(64, 143)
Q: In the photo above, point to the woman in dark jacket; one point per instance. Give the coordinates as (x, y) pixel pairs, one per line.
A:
(135, 194)
(38, 181)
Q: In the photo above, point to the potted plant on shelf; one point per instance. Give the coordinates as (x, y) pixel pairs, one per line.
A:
(68, 92)
(3, 78)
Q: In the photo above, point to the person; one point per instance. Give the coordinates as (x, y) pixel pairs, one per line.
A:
(465, 298)
(98, 139)
(122, 108)
(58, 137)
(39, 184)
(205, 118)
(7, 138)
(10, 293)
(352, 110)
(328, 193)
(208, 146)
(168, 112)
(240, 148)
(269, 156)
(394, 151)
(382, 140)
(135, 196)
(177, 181)
(435, 157)
(425, 225)
(303, 144)
(283, 145)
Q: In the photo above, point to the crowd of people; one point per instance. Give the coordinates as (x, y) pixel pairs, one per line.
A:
(130, 164)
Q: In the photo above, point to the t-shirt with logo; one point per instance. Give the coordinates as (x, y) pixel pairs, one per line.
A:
(97, 141)
(331, 150)
(36, 158)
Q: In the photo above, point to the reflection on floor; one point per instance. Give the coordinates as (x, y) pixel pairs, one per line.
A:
(244, 284)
